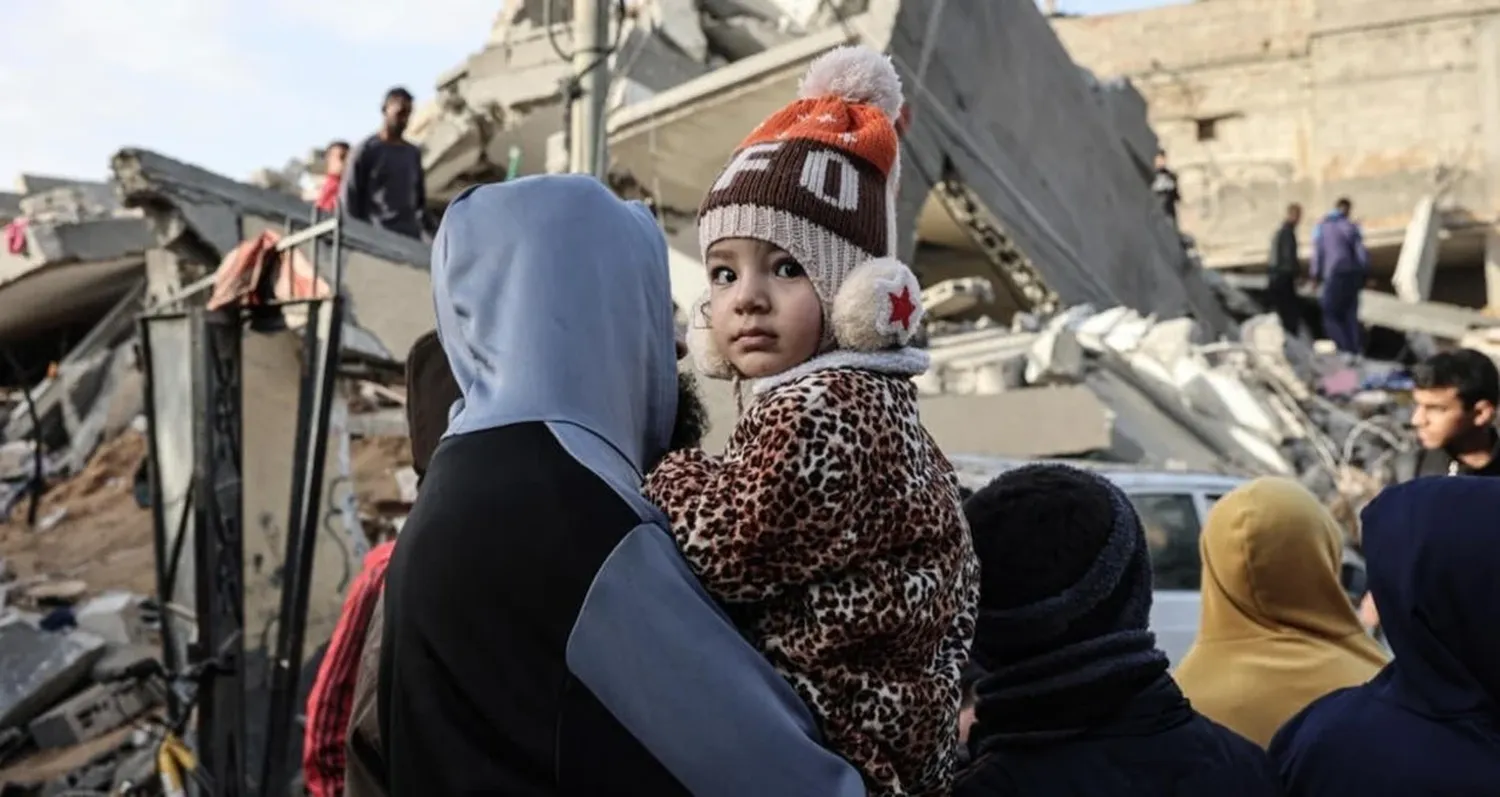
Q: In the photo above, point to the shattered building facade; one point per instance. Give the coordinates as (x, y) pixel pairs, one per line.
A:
(1264, 102)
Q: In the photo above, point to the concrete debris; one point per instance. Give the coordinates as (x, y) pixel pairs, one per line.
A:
(1174, 395)
(93, 712)
(955, 297)
(1379, 309)
(71, 252)
(117, 617)
(65, 592)
(1061, 421)
(39, 668)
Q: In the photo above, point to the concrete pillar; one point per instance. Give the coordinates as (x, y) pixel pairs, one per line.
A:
(1419, 253)
(1492, 268)
(1487, 45)
(163, 275)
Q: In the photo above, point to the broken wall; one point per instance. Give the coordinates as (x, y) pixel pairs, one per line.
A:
(1265, 102)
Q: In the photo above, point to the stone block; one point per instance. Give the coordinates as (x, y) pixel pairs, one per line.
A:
(93, 712)
(1055, 357)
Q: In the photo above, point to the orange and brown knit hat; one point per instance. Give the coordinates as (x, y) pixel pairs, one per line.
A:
(818, 178)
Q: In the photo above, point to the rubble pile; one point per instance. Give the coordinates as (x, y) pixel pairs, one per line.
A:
(73, 611)
(1266, 404)
(502, 109)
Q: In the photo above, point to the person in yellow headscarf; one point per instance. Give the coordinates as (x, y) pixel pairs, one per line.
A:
(1277, 630)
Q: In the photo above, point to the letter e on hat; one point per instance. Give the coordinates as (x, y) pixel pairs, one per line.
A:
(754, 158)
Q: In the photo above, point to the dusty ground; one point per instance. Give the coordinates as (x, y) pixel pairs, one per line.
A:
(103, 539)
(106, 540)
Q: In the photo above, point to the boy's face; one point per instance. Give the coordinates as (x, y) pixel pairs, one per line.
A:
(764, 314)
(1441, 417)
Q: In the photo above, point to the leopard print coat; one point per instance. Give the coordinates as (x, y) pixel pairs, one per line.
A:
(831, 530)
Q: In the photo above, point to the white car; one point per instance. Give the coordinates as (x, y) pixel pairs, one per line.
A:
(1172, 506)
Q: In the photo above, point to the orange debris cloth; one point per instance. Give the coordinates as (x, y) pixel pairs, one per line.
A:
(241, 271)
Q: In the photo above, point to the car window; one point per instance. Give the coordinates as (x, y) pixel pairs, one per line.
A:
(1172, 526)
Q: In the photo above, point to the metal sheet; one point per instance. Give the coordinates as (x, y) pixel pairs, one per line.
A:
(167, 342)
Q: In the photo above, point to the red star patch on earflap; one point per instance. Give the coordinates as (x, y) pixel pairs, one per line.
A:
(902, 307)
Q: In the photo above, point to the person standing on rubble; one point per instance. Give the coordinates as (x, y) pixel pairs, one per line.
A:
(1341, 263)
(1283, 271)
(542, 634)
(1164, 185)
(383, 183)
(334, 159)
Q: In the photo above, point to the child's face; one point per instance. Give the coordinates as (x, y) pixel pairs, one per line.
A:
(763, 313)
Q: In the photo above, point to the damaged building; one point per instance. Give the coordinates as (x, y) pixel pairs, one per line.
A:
(1260, 103)
(1065, 316)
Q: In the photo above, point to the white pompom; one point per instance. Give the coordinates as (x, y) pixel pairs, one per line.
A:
(879, 306)
(855, 74)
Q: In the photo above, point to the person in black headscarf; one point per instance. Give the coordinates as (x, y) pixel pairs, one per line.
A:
(1076, 699)
(1429, 723)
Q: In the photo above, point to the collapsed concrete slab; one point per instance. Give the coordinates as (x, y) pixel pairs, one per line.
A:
(1126, 111)
(71, 253)
(1057, 177)
(1376, 308)
(1063, 421)
(998, 104)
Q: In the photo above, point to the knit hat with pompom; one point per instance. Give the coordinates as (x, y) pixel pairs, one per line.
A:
(818, 179)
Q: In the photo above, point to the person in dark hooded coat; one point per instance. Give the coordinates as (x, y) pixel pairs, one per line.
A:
(543, 636)
(1429, 723)
(1076, 700)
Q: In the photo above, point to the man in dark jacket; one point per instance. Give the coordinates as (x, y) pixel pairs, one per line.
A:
(1283, 270)
(1076, 700)
(1341, 263)
(1429, 723)
(543, 636)
(384, 183)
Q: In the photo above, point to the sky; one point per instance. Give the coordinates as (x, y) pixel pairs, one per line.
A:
(231, 85)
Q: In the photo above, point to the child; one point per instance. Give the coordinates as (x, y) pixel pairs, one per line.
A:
(831, 528)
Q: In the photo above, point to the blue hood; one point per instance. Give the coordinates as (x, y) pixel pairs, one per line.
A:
(553, 305)
(1432, 546)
